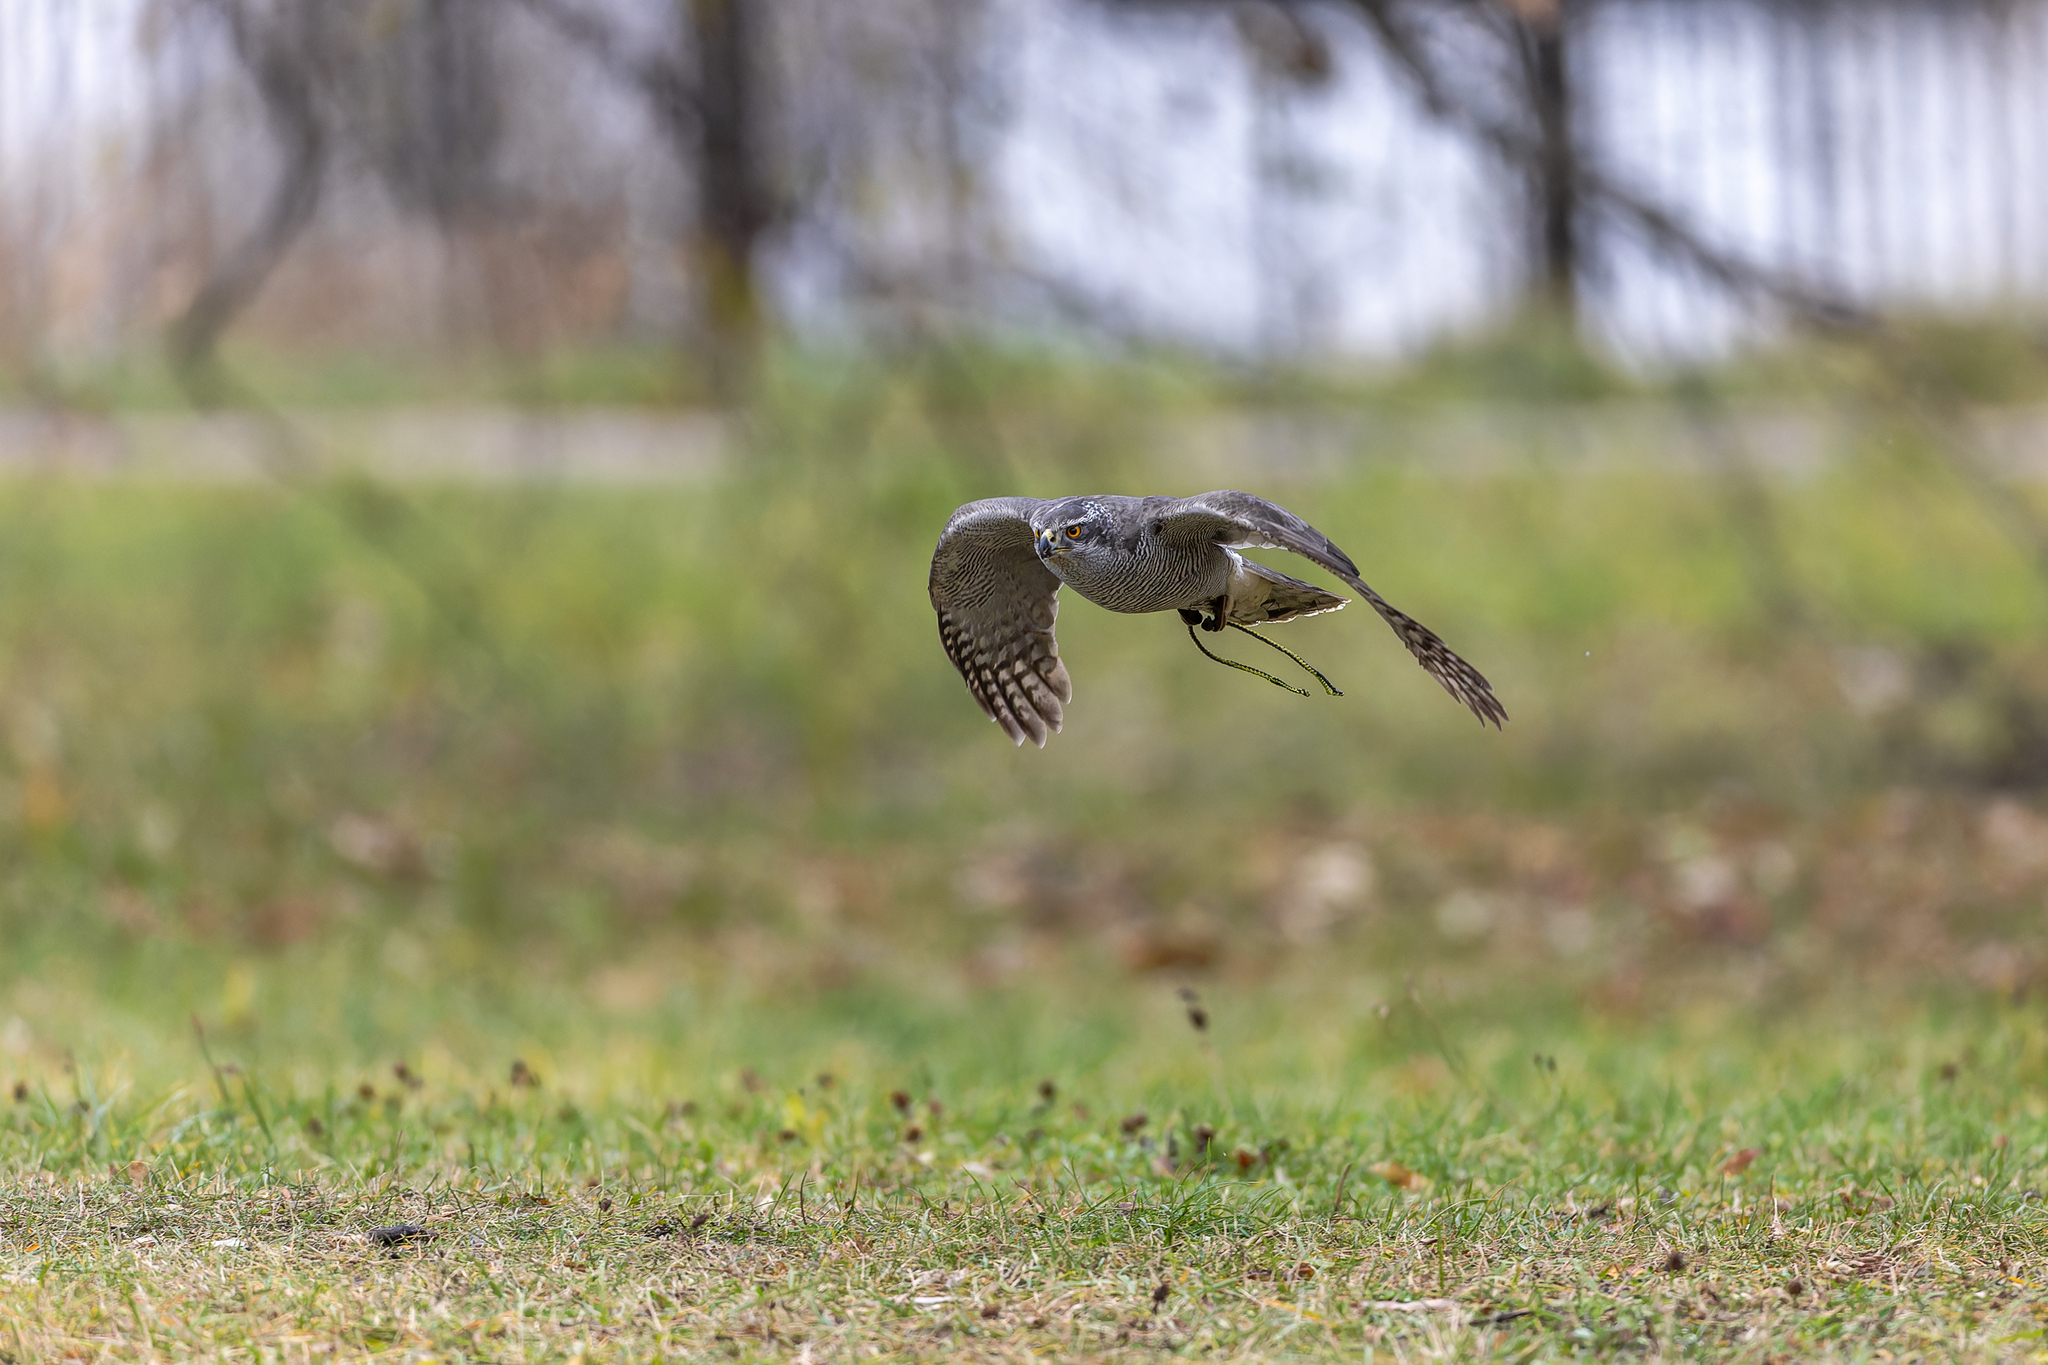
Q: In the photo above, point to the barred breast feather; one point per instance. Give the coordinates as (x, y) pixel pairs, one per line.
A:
(996, 604)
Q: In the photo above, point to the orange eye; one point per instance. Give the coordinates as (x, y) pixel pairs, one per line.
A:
(1073, 533)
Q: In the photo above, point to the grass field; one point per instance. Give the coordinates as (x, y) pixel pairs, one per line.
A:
(518, 864)
(1696, 1189)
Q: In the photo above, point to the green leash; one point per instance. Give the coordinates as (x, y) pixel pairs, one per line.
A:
(1328, 686)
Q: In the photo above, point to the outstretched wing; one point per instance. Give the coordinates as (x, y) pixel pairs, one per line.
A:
(996, 604)
(1242, 521)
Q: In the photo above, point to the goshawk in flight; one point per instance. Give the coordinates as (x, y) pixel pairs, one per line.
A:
(997, 572)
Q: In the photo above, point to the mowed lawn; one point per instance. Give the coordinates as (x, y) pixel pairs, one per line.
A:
(1706, 1189)
(612, 896)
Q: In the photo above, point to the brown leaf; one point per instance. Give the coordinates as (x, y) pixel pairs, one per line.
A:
(1737, 1164)
(1399, 1176)
(1161, 948)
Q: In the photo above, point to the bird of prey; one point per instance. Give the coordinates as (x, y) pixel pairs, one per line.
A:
(997, 573)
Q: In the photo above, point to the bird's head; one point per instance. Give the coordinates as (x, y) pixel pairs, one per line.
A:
(1070, 526)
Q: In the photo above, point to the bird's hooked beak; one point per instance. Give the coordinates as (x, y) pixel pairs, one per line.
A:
(1047, 546)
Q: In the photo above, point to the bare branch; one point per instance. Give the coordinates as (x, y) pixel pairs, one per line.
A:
(1664, 229)
(662, 79)
(1921, 391)
(284, 81)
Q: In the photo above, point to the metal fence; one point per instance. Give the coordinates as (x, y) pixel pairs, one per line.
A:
(1156, 171)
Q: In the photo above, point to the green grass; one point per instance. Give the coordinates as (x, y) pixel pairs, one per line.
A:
(669, 794)
(1699, 1190)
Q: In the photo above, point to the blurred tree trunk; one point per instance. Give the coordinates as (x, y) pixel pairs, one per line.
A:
(1555, 190)
(1537, 139)
(710, 105)
(733, 202)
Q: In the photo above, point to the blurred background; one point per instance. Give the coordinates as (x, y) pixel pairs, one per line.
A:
(470, 468)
